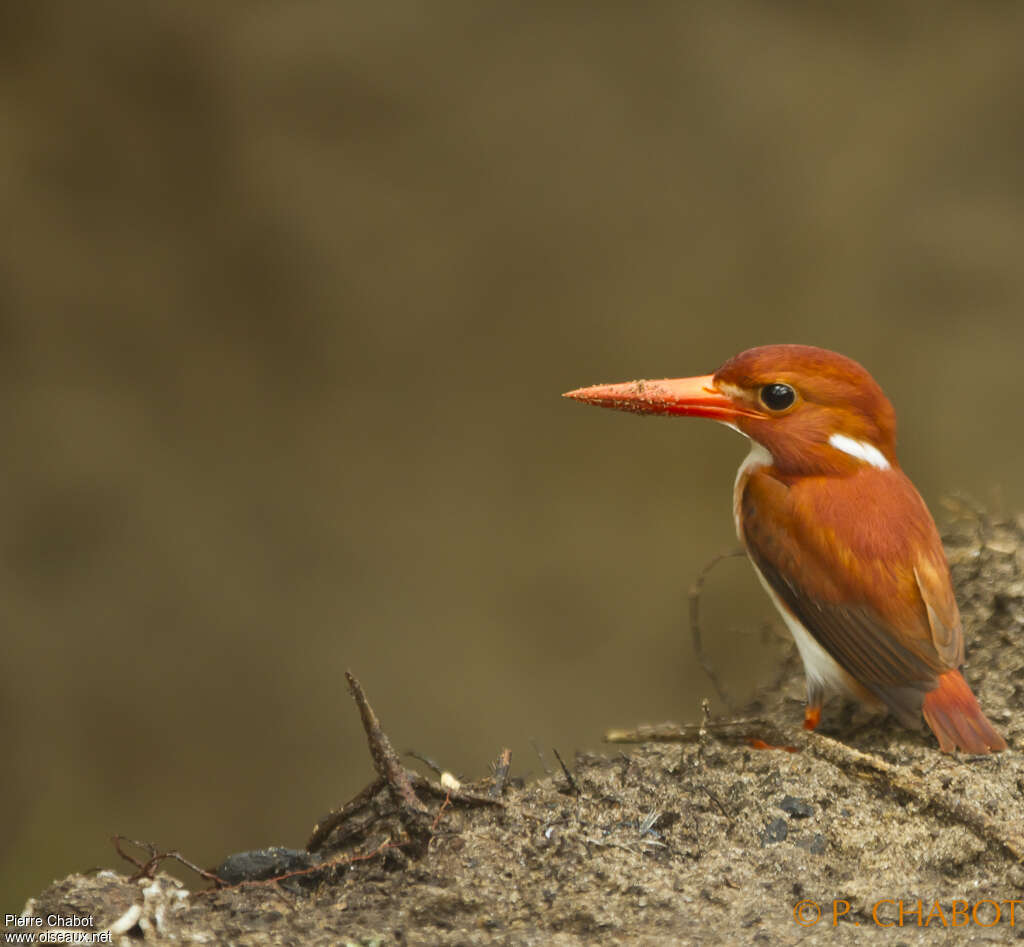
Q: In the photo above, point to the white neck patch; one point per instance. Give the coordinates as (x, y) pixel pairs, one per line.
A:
(759, 456)
(862, 450)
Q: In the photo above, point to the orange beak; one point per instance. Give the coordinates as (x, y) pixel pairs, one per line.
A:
(690, 397)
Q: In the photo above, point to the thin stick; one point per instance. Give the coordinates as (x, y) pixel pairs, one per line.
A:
(718, 802)
(739, 729)
(336, 817)
(565, 769)
(540, 756)
(426, 761)
(155, 857)
(695, 632)
(1002, 832)
(453, 796)
(501, 768)
(415, 816)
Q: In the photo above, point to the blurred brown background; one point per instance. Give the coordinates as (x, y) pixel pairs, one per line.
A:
(289, 294)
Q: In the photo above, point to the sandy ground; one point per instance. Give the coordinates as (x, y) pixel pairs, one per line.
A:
(866, 826)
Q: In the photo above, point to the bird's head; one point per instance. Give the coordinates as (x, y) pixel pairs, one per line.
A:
(814, 411)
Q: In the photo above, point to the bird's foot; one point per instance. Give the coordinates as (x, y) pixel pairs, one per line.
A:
(757, 744)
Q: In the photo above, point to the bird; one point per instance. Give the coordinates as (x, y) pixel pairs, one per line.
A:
(836, 532)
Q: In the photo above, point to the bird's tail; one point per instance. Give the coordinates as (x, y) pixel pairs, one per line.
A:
(953, 713)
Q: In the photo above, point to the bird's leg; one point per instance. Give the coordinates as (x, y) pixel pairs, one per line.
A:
(815, 701)
(755, 744)
(812, 717)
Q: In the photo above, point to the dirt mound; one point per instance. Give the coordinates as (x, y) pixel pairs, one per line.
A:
(700, 841)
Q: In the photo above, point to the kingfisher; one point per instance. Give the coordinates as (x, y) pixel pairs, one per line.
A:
(836, 532)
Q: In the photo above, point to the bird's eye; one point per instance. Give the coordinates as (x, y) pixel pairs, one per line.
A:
(777, 396)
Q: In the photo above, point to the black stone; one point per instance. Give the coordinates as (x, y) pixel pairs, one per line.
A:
(264, 863)
(796, 808)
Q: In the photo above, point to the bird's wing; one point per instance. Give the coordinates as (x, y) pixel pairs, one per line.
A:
(943, 615)
(859, 563)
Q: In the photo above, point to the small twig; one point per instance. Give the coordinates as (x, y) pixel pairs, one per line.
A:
(426, 761)
(540, 756)
(695, 632)
(155, 857)
(654, 733)
(455, 796)
(573, 787)
(718, 802)
(786, 667)
(501, 769)
(400, 784)
(415, 816)
(1000, 832)
(117, 839)
(702, 733)
(705, 716)
(739, 730)
(447, 779)
(336, 817)
(440, 812)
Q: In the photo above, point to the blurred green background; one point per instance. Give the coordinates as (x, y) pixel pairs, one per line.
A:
(289, 293)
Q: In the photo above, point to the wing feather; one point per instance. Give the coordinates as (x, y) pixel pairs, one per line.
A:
(859, 563)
